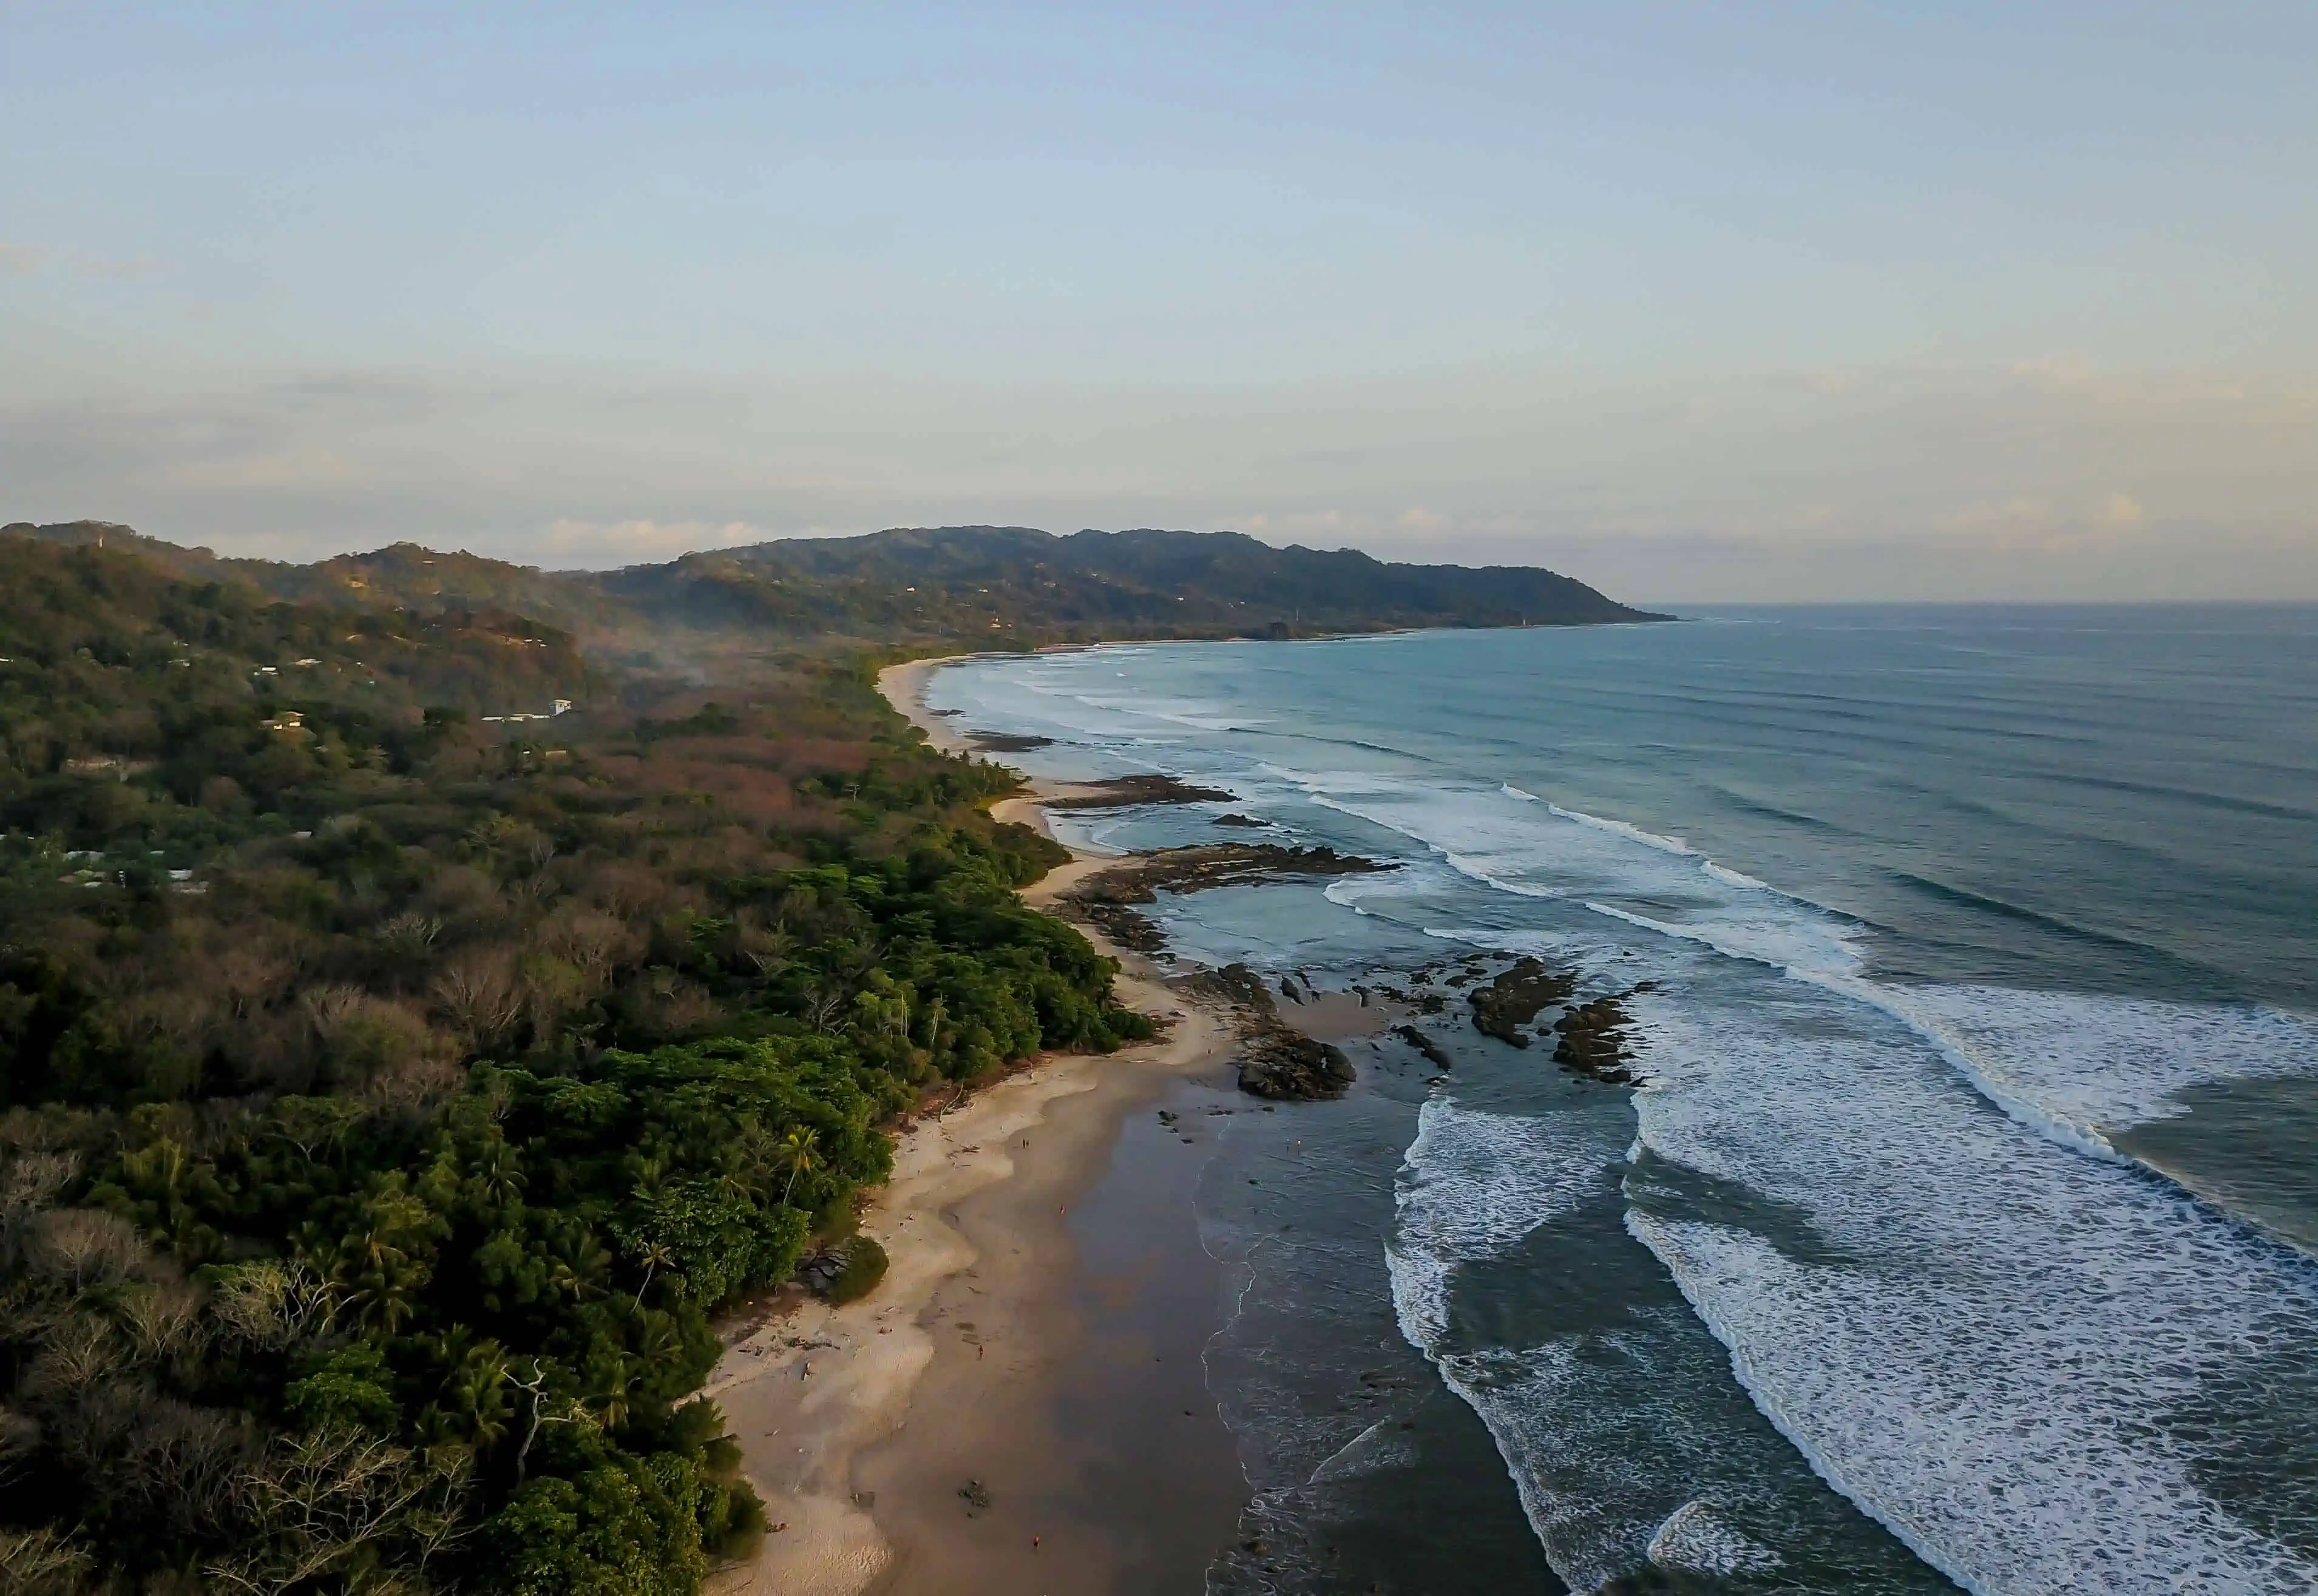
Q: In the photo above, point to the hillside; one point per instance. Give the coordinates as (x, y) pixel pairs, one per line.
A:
(1146, 583)
(997, 585)
(391, 1090)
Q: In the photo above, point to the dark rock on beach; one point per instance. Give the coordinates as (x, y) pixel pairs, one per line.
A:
(1009, 743)
(1591, 1038)
(1425, 1044)
(1121, 792)
(1276, 1061)
(1200, 868)
(1283, 1063)
(1124, 927)
(1106, 900)
(1513, 999)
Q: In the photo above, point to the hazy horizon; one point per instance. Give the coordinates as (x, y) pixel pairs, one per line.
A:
(1697, 305)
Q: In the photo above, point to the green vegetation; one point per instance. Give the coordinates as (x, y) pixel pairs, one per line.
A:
(990, 586)
(391, 1091)
(431, 987)
(864, 1267)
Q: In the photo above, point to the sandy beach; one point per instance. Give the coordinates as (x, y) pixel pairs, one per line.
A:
(1020, 1405)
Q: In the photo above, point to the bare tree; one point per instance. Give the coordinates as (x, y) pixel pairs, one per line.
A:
(20, 1438)
(482, 994)
(535, 1387)
(84, 1246)
(272, 1304)
(594, 942)
(409, 935)
(185, 1460)
(41, 1563)
(822, 1009)
(313, 1502)
(161, 1319)
(29, 1181)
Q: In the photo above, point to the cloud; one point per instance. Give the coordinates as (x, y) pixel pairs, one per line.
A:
(2049, 479)
(21, 260)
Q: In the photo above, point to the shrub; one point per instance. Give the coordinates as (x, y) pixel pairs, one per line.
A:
(864, 1267)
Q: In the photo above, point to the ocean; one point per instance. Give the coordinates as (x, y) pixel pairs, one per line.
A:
(1959, 1227)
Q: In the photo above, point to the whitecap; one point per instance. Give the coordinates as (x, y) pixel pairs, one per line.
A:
(1994, 1373)
(1697, 1539)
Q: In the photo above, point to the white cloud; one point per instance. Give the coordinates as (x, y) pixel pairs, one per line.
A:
(2047, 479)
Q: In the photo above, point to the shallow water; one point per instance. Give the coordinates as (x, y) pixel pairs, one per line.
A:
(1960, 1227)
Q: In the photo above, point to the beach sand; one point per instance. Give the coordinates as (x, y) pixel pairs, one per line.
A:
(1036, 1345)
(904, 687)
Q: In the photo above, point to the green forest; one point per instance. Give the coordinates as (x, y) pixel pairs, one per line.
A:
(416, 1020)
(985, 586)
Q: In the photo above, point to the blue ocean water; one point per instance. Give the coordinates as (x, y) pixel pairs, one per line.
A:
(1962, 1226)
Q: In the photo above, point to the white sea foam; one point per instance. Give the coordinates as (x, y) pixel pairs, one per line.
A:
(1810, 945)
(1632, 833)
(2074, 1067)
(1993, 1377)
(1181, 711)
(1596, 1477)
(1473, 1186)
(1352, 892)
(2102, 1062)
(1733, 878)
(1695, 1539)
(1987, 1338)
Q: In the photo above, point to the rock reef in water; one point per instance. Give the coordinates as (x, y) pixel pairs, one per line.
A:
(1591, 1038)
(1276, 1061)
(1121, 792)
(1425, 1044)
(1513, 999)
(1108, 900)
(1207, 865)
(1009, 743)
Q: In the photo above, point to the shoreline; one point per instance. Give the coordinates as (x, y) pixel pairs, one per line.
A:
(979, 1335)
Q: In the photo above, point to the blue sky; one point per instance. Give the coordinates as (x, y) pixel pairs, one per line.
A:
(1691, 301)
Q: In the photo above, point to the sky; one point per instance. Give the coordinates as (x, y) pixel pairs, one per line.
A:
(1695, 302)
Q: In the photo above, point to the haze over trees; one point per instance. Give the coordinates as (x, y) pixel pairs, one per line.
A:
(429, 988)
(1000, 585)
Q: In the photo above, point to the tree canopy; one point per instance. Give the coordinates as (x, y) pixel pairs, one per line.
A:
(399, 1068)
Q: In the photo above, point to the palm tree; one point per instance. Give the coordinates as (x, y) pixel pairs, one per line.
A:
(798, 1151)
(653, 1255)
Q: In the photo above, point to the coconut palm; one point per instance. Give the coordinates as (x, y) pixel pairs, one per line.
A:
(653, 1255)
(800, 1150)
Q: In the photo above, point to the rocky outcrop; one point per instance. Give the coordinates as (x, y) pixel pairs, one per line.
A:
(1108, 900)
(1591, 1038)
(1276, 1061)
(1207, 865)
(1513, 999)
(1121, 792)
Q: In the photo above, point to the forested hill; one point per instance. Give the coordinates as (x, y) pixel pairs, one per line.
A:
(433, 989)
(412, 1035)
(1186, 583)
(1003, 586)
